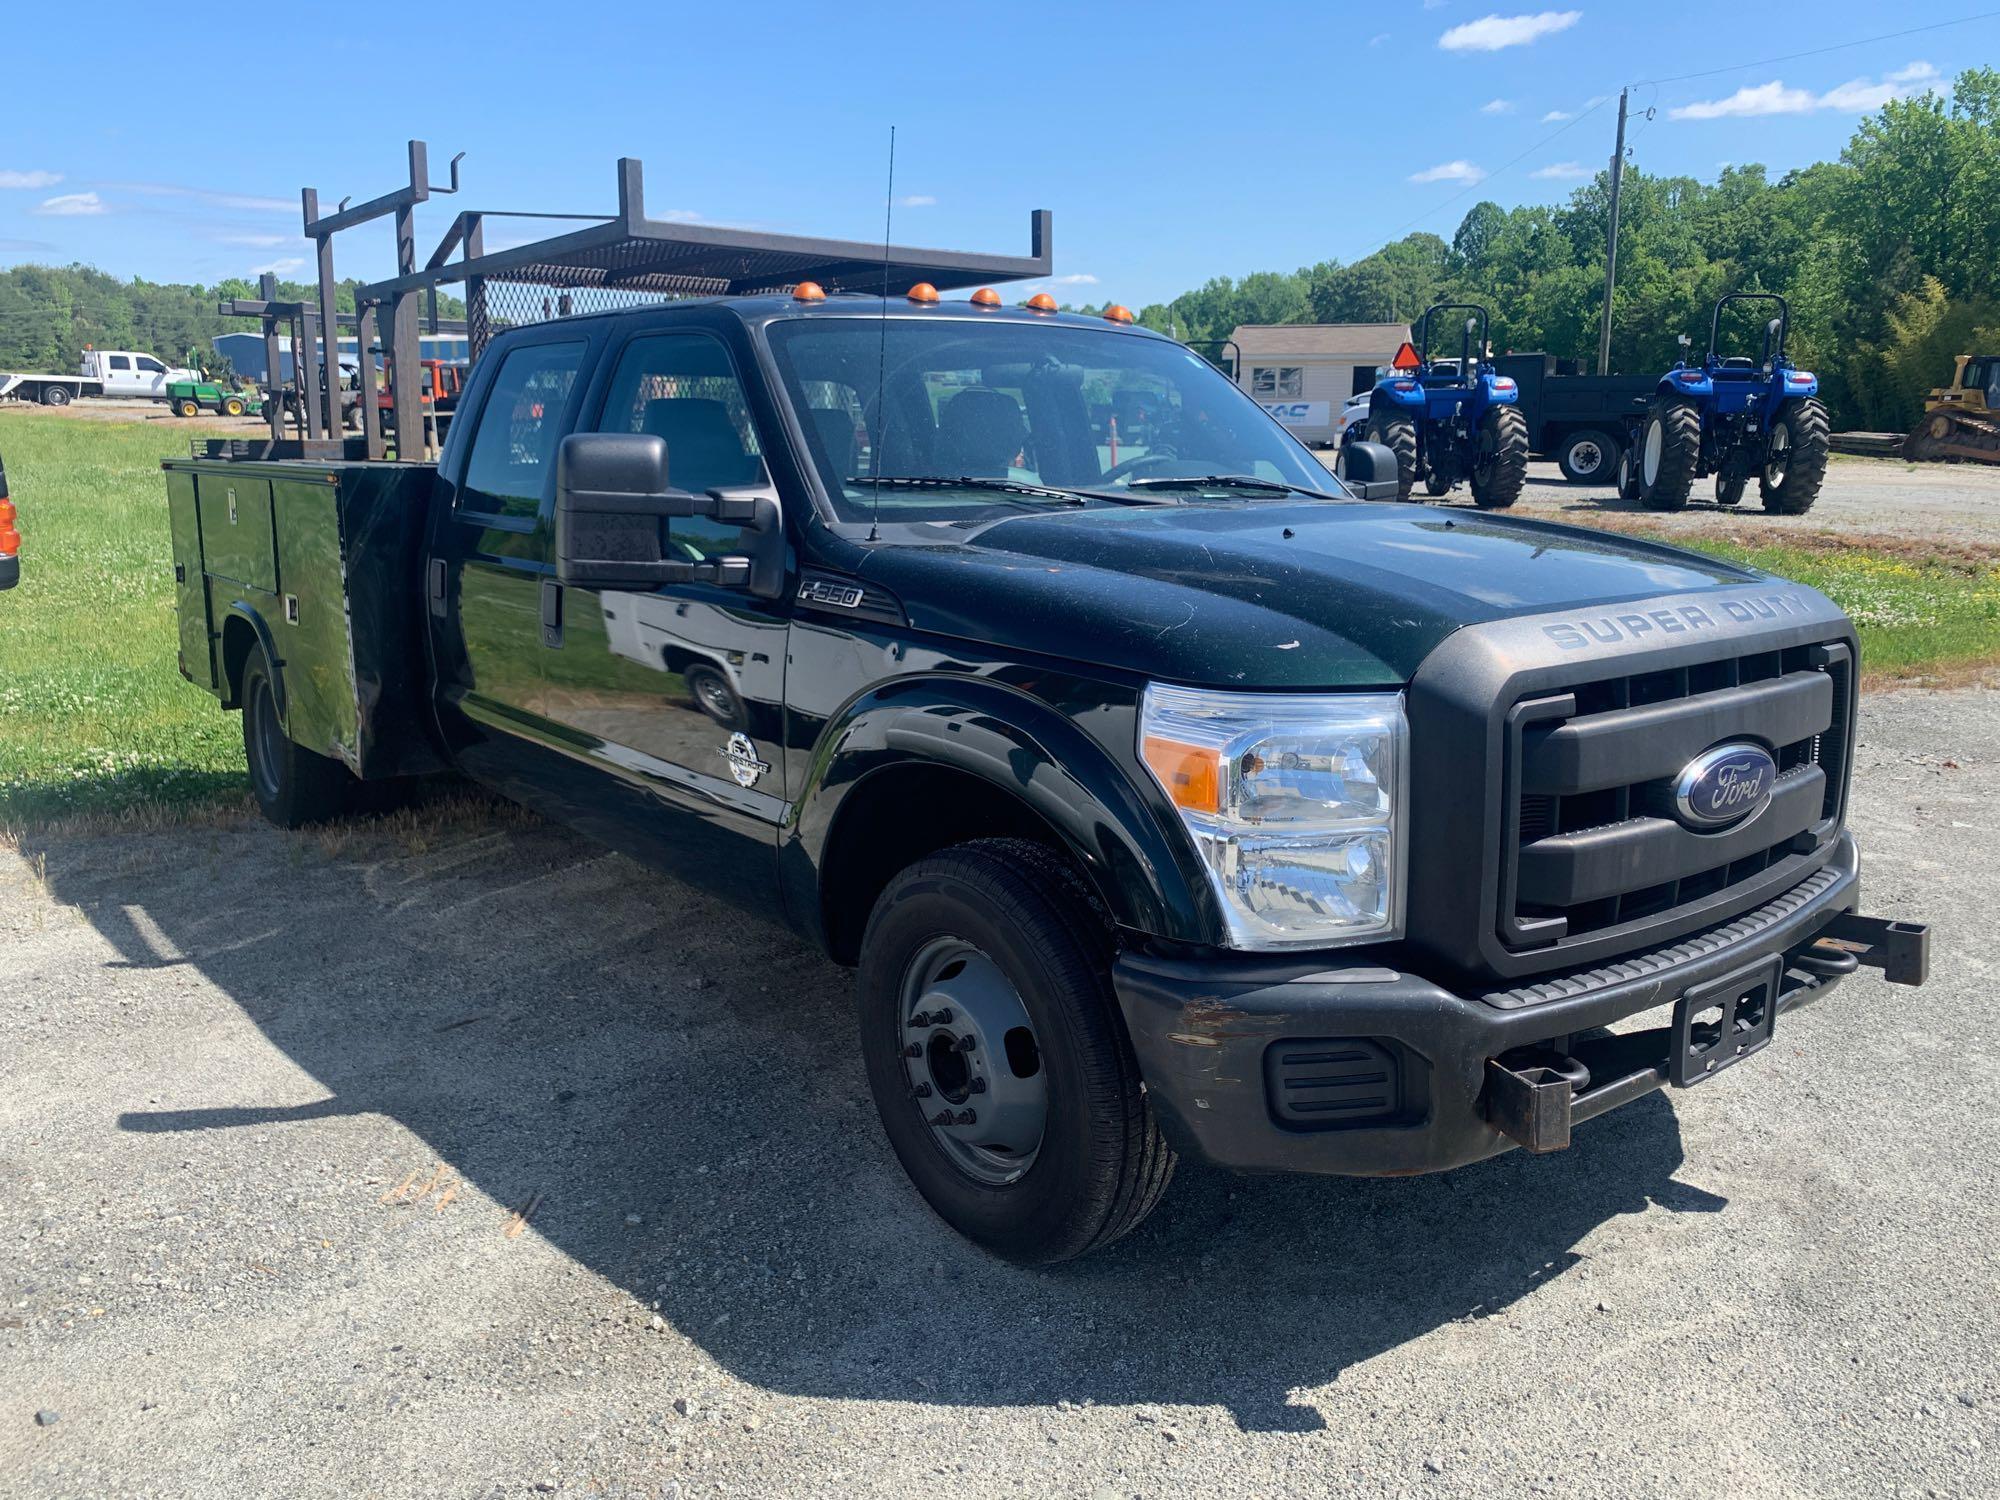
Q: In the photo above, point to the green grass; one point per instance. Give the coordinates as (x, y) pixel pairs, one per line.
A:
(95, 718)
(94, 714)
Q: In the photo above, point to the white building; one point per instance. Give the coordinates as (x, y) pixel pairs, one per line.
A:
(1301, 372)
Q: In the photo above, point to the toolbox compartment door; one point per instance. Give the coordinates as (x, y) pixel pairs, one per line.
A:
(190, 591)
(235, 511)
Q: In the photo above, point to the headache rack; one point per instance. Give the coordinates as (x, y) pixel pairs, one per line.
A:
(614, 260)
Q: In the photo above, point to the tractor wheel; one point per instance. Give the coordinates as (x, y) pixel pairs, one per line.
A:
(1669, 453)
(1399, 436)
(1501, 467)
(1795, 458)
(187, 406)
(232, 406)
(1588, 457)
(1729, 487)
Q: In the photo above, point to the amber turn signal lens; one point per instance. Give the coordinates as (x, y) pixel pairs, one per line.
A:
(986, 297)
(1042, 302)
(809, 291)
(1118, 314)
(7, 511)
(10, 540)
(923, 291)
(1192, 774)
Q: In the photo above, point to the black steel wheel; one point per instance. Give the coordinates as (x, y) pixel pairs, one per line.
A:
(1795, 458)
(1500, 467)
(1399, 436)
(293, 786)
(997, 1055)
(1669, 454)
(1589, 457)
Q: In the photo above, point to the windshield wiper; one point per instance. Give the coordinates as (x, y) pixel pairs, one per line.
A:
(1208, 482)
(964, 482)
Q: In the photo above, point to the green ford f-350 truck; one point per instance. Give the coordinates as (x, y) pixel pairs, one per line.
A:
(1167, 798)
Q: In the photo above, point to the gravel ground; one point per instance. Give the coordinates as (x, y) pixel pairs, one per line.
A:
(1867, 496)
(269, 1104)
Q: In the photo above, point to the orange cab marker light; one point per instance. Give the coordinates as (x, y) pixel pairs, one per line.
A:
(1406, 358)
(1192, 774)
(1118, 314)
(923, 291)
(986, 297)
(809, 291)
(1041, 302)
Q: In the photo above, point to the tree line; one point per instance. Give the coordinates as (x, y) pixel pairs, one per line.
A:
(1889, 258)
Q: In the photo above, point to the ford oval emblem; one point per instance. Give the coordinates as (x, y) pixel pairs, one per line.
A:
(1724, 786)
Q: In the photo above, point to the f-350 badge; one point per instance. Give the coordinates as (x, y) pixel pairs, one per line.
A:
(743, 762)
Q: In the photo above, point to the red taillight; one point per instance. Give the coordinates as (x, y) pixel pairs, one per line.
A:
(10, 539)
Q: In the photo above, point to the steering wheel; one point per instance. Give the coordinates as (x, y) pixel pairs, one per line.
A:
(1136, 465)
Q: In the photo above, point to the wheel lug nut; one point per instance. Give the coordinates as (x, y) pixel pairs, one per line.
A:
(967, 1043)
(923, 1091)
(941, 1017)
(967, 1117)
(976, 1086)
(943, 1117)
(921, 1019)
(913, 1050)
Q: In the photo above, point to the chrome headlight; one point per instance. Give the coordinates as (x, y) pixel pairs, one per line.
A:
(1294, 801)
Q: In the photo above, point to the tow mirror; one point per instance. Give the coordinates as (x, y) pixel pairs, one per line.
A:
(1368, 470)
(614, 509)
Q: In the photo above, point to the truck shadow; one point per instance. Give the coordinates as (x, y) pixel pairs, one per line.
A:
(552, 1020)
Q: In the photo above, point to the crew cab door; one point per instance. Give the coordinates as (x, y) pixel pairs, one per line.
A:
(490, 568)
(119, 378)
(149, 377)
(674, 696)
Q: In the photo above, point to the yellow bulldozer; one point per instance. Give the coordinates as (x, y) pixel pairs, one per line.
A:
(1961, 421)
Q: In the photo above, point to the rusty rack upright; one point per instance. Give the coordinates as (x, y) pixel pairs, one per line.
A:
(615, 260)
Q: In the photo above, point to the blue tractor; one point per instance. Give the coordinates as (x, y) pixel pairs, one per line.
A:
(1448, 420)
(1733, 418)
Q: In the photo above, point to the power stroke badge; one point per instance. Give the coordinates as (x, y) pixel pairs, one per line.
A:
(743, 762)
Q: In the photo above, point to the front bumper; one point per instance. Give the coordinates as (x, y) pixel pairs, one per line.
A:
(1291, 1066)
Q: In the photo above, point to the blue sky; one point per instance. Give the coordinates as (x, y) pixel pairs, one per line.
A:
(1174, 142)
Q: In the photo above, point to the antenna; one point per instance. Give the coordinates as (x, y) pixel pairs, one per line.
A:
(882, 349)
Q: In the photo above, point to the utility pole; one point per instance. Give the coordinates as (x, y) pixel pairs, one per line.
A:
(1611, 242)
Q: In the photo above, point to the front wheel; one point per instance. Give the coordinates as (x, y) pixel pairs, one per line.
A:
(1628, 475)
(1669, 454)
(293, 786)
(997, 1055)
(187, 406)
(1500, 469)
(1795, 458)
(1588, 457)
(1399, 436)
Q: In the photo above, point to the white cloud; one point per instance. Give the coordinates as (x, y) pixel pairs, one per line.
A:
(256, 241)
(1858, 96)
(1075, 278)
(1556, 115)
(917, 200)
(283, 266)
(211, 196)
(24, 247)
(71, 205)
(1378, 39)
(1491, 33)
(37, 179)
(1497, 107)
(1562, 171)
(1451, 171)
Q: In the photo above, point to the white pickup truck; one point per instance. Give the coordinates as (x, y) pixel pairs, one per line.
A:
(102, 372)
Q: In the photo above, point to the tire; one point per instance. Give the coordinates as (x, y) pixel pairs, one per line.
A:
(1500, 470)
(187, 406)
(1803, 433)
(232, 406)
(1436, 485)
(1399, 436)
(1669, 453)
(944, 929)
(713, 695)
(1729, 487)
(1588, 457)
(293, 786)
(55, 395)
(1628, 475)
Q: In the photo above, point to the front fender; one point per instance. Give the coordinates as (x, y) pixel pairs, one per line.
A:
(1122, 834)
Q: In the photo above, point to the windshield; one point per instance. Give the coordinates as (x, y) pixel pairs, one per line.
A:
(1053, 412)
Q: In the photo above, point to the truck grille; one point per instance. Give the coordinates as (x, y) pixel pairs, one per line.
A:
(1589, 845)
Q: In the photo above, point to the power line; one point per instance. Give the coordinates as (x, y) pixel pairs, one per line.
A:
(1865, 41)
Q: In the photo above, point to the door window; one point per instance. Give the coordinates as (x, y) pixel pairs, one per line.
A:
(683, 388)
(120, 362)
(513, 453)
(151, 366)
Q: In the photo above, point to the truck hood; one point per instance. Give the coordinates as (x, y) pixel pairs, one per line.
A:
(1306, 595)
